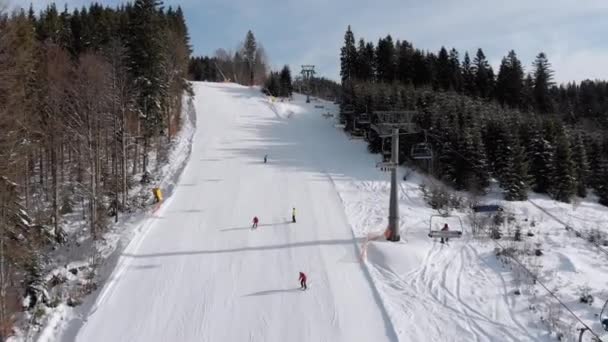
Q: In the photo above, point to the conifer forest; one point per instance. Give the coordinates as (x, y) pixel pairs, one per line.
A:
(514, 125)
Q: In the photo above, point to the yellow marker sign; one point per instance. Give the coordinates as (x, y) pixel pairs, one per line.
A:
(157, 194)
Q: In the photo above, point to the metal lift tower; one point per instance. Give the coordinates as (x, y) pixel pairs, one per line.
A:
(308, 72)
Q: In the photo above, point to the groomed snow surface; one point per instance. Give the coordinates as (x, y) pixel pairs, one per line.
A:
(198, 272)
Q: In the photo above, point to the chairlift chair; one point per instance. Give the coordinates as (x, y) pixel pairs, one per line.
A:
(357, 133)
(438, 233)
(386, 150)
(422, 151)
(364, 119)
(604, 316)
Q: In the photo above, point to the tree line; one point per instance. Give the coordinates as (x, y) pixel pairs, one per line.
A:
(247, 66)
(518, 128)
(87, 97)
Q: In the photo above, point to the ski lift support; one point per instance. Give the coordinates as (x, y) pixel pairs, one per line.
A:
(443, 233)
(221, 73)
(388, 124)
(386, 121)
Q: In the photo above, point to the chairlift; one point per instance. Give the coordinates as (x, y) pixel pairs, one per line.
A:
(364, 119)
(487, 208)
(348, 109)
(357, 133)
(451, 233)
(604, 316)
(422, 151)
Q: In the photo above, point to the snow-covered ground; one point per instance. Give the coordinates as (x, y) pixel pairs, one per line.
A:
(197, 272)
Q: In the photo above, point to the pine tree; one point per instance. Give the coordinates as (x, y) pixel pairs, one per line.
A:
(422, 73)
(273, 84)
(249, 54)
(285, 80)
(527, 100)
(468, 76)
(385, 60)
(581, 162)
(510, 82)
(563, 177)
(601, 188)
(541, 156)
(483, 75)
(365, 61)
(405, 63)
(348, 57)
(146, 66)
(444, 70)
(455, 72)
(543, 80)
(478, 177)
(511, 165)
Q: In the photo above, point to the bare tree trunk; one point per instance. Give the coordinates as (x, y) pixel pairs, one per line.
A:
(3, 275)
(145, 154)
(125, 189)
(115, 166)
(26, 182)
(62, 160)
(41, 164)
(55, 190)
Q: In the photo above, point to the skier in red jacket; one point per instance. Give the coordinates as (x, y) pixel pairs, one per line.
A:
(255, 222)
(302, 280)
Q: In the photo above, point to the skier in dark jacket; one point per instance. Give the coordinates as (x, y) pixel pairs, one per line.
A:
(255, 222)
(302, 280)
(445, 229)
(293, 215)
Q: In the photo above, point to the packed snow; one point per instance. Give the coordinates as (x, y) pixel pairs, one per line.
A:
(196, 271)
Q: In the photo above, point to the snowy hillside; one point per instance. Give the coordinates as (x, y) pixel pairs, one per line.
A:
(198, 272)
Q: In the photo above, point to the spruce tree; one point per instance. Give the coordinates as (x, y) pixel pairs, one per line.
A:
(370, 61)
(146, 59)
(541, 156)
(285, 80)
(478, 177)
(483, 75)
(601, 188)
(421, 69)
(405, 63)
(468, 76)
(510, 82)
(348, 57)
(511, 165)
(249, 54)
(581, 164)
(385, 60)
(455, 72)
(543, 80)
(563, 177)
(444, 70)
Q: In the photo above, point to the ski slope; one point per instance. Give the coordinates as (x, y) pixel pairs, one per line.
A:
(199, 273)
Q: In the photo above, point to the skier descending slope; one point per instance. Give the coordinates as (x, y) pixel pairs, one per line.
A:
(255, 222)
(293, 215)
(302, 280)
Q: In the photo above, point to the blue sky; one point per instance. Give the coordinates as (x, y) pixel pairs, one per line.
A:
(571, 32)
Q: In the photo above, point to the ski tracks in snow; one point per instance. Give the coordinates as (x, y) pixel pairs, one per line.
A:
(452, 295)
(440, 298)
